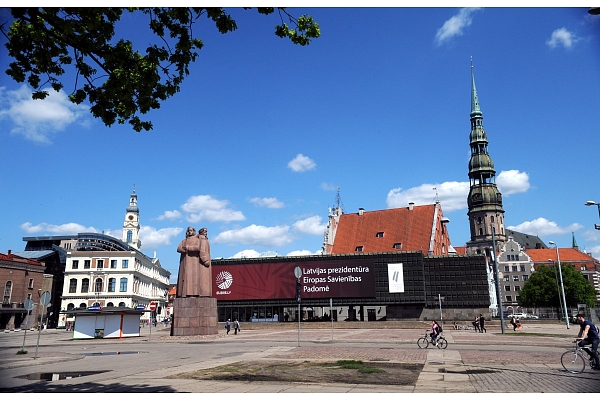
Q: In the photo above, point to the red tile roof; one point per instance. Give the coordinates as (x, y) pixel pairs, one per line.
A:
(566, 254)
(411, 228)
(460, 250)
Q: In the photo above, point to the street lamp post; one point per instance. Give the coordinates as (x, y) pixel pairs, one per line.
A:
(557, 286)
(562, 286)
(593, 203)
(497, 279)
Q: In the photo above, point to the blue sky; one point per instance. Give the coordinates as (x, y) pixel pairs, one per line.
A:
(263, 132)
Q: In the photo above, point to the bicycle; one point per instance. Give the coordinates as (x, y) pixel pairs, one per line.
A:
(423, 342)
(573, 361)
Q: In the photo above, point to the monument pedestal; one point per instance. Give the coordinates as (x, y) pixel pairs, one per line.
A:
(195, 316)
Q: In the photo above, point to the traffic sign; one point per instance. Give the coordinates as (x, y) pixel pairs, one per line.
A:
(29, 304)
(152, 306)
(45, 300)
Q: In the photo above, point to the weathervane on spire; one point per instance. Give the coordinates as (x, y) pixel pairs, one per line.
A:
(437, 200)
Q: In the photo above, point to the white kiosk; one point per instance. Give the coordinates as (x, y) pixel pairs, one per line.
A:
(106, 323)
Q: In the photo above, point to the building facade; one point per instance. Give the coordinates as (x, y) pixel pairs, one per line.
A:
(21, 279)
(514, 266)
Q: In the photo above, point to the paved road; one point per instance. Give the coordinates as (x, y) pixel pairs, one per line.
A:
(473, 362)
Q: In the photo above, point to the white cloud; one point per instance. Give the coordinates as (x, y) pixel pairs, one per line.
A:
(310, 226)
(257, 235)
(152, 238)
(207, 208)
(296, 253)
(246, 254)
(170, 215)
(543, 227)
(37, 120)
(452, 195)
(562, 37)
(455, 25)
(301, 163)
(64, 229)
(269, 202)
(512, 181)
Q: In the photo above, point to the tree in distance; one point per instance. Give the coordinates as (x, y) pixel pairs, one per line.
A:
(542, 289)
(118, 81)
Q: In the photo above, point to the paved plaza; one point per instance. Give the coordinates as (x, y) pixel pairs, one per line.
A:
(473, 362)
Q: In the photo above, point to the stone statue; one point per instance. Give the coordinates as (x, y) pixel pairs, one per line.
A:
(195, 275)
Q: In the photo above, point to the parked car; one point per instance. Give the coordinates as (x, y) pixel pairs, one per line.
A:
(532, 316)
(518, 316)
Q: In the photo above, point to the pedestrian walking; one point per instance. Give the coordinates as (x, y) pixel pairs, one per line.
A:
(519, 325)
(228, 325)
(482, 324)
(513, 322)
(476, 324)
(236, 326)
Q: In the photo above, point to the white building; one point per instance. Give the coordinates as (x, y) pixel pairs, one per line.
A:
(101, 270)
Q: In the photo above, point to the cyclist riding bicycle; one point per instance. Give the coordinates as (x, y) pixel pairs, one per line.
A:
(588, 334)
(435, 331)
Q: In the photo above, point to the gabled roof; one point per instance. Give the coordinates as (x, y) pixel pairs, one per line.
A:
(526, 240)
(566, 254)
(413, 228)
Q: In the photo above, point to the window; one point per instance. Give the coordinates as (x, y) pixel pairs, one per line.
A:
(583, 268)
(110, 304)
(525, 277)
(397, 245)
(30, 284)
(379, 234)
(112, 283)
(507, 278)
(100, 263)
(85, 285)
(75, 264)
(122, 304)
(86, 264)
(516, 278)
(517, 288)
(492, 218)
(359, 248)
(123, 285)
(129, 236)
(98, 285)
(514, 268)
(509, 298)
(113, 263)
(70, 306)
(73, 285)
(506, 268)
(82, 305)
(507, 288)
(516, 257)
(522, 268)
(7, 292)
(124, 263)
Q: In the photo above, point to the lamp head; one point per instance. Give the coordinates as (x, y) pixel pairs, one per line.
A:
(590, 203)
(551, 243)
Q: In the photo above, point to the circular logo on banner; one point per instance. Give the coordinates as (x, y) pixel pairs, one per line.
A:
(224, 280)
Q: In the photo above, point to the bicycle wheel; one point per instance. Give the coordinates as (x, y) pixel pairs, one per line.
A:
(422, 343)
(573, 361)
(442, 343)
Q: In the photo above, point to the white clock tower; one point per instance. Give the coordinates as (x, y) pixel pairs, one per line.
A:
(131, 226)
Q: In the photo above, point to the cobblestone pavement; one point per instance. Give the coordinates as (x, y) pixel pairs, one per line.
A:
(472, 363)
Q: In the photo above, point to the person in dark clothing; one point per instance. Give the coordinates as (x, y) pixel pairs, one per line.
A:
(482, 324)
(476, 324)
(513, 322)
(228, 325)
(588, 334)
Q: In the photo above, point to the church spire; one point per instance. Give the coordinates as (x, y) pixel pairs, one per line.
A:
(485, 200)
(131, 225)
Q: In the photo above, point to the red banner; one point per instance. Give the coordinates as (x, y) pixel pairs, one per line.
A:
(320, 279)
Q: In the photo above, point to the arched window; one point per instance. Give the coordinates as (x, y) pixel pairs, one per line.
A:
(82, 305)
(122, 304)
(492, 218)
(98, 285)
(73, 285)
(129, 236)
(110, 304)
(7, 292)
(123, 285)
(112, 284)
(96, 304)
(480, 231)
(70, 306)
(85, 285)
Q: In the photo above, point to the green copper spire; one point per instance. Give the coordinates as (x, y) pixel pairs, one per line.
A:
(474, 99)
(574, 241)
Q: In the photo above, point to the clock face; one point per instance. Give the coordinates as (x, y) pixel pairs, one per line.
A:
(131, 217)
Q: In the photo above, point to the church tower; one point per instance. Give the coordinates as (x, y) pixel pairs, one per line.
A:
(131, 226)
(485, 200)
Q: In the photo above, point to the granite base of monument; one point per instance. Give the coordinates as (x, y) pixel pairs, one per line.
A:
(195, 316)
